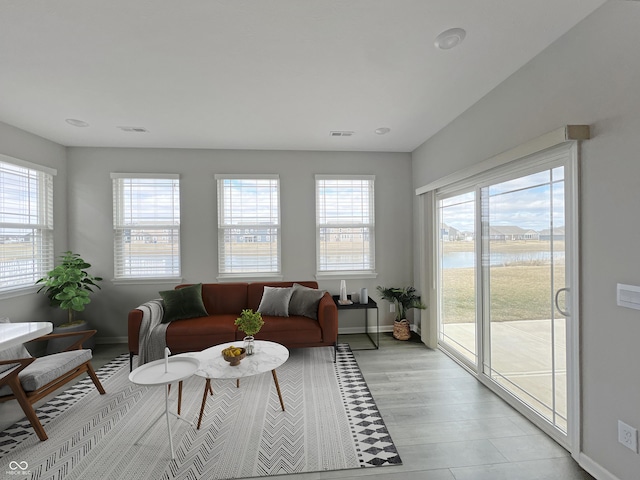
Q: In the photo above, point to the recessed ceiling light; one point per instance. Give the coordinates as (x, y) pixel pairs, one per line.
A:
(76, 123)
(382, 130)
(450, 38)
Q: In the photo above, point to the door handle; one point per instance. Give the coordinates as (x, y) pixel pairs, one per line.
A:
(566, 314)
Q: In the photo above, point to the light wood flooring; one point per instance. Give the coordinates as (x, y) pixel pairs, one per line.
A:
(445, 424)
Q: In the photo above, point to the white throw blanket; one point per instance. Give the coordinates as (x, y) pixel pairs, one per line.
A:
(153, 333)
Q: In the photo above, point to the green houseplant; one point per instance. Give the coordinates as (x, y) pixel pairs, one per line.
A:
(404, 300)
(68, 285)
(249, 322)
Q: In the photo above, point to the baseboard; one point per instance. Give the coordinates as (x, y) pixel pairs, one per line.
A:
(111, 340)
(595, 469)
(354, 330)
(341, 331)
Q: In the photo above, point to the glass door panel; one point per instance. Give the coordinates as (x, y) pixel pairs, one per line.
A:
(457, 261)
(523, 265)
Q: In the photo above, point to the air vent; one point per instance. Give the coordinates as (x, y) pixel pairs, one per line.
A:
(341, 133)
(133, 129)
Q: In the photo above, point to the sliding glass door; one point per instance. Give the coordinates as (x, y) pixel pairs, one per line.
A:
(503, 281)
(457, 275)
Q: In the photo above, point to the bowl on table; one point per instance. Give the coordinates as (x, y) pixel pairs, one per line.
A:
(233, 355)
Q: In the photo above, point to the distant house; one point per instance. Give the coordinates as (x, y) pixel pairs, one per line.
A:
(450, 234)
(511, 232)
(558, 234)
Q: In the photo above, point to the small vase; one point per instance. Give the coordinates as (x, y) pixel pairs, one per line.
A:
(249, 344)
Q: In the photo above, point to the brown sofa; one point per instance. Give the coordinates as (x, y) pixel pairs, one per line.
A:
(224, 302)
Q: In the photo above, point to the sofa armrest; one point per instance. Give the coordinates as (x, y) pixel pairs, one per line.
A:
(135, 320)
(328, 318)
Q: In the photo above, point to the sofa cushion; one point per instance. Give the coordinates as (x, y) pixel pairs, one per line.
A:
(289, 331)
(183, 303)
(195, 334)
(275, 301)
(304, 301)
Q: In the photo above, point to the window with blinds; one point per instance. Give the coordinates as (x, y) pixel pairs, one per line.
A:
(146, 223)
(26, 225)
(345, 224)
(248, 224)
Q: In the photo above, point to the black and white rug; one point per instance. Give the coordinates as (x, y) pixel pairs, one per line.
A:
(331, 422)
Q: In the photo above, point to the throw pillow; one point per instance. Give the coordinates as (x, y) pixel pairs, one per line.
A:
(183, 303)
(304, 301)
(275, 301)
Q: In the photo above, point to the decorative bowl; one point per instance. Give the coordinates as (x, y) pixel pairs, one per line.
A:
(235, 360)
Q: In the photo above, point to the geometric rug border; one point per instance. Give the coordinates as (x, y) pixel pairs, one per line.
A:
(371, 437)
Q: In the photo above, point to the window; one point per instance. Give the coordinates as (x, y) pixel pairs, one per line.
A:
(248, 224)
(26, 224)
(146, 223)
(345, 224)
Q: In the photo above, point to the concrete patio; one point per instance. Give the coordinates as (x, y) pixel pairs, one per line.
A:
(522, 360)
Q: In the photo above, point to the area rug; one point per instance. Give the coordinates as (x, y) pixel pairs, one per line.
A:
(331, 422)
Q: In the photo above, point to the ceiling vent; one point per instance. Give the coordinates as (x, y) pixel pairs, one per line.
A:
(341, 133)
(134, 129)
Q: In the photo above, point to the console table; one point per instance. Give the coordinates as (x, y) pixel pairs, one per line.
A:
(366, 307)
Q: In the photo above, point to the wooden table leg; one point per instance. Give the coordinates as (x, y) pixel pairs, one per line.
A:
(275, 380)
(207, 390)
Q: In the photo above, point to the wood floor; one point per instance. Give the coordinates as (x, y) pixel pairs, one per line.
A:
(445, 424)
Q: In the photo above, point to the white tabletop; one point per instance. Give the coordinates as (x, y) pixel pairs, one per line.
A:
(16, 333)
(157, 373)
(268, 356)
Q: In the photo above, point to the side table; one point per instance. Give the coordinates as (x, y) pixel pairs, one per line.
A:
(366, 307)
(158, 374)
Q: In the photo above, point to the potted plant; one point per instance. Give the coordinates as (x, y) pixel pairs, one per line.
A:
(404, 300)
(68, 285)
(249, 322)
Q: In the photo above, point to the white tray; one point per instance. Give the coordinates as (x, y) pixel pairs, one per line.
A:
(153, 373)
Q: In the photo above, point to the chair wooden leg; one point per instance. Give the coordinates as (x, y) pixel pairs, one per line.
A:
(27, 408)
(94, 377)
(179, 396)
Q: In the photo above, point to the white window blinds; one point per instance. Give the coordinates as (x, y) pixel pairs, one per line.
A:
(248, 224)
(146, 222)
(26, 225)
(345, 224)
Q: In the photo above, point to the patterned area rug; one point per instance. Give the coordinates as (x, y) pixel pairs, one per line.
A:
(331, 423)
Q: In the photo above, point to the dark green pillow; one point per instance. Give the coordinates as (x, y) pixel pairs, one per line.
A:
(183, 303)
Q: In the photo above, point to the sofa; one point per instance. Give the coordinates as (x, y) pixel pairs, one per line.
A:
(223, 303)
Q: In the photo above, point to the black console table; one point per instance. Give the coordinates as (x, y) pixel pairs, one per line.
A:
(366, 307)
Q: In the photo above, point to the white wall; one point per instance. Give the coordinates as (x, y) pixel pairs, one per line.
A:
(91, 232)
(19, 144)
(589, 76)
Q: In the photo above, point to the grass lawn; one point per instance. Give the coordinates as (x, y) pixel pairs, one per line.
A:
(517, 293)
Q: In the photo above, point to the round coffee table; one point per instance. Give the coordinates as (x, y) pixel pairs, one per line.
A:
(267, 357)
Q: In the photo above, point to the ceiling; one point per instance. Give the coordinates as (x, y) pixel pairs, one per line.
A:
(261, 74)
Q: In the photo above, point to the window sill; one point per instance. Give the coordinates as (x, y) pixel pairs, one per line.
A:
(344, 275)
(148, 281)
(249, 277)
(20, 291)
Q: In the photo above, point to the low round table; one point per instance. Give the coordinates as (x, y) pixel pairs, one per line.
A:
(158, 373)
(267, 357)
